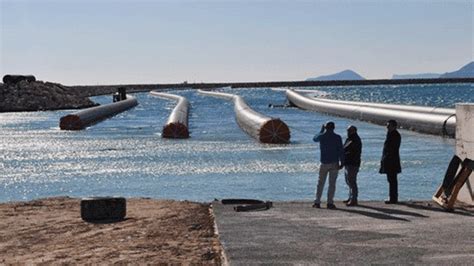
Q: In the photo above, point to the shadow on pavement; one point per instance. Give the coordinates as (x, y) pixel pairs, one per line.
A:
(376, 215)
(393, 211)
(431, 207)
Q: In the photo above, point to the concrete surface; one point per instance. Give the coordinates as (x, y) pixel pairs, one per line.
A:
(372, 233)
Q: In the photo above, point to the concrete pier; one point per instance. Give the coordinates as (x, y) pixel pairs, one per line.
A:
(105, 89)
(465, 145)
(293, 233)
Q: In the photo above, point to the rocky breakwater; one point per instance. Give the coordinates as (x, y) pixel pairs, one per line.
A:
(40, 96)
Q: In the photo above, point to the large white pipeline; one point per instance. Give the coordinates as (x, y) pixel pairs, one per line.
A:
(89, 116)
(431, 123)
(177, 124)
(263, 128)
(400, 107)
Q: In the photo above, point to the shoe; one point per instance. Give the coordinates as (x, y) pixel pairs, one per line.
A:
(352, 203)
(346, 201)
(331, 206)
(317, 205)
(391, 202)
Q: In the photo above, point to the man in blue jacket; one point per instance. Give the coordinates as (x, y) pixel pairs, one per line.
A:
(332, 159)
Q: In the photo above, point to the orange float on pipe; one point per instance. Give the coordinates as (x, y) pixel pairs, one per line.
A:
(90, 116)
(261, 127)
(177, 124)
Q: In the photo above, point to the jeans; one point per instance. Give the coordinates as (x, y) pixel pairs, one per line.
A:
(332, 169)
(351, 181)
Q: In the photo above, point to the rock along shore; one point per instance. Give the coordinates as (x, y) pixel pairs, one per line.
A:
(40, 96)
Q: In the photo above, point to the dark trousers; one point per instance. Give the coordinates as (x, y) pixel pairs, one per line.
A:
(351, 181)
(393, 186)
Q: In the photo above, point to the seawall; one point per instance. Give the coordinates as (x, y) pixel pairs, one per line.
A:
(91, 90)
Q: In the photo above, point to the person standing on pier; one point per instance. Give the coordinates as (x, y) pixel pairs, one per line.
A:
(390, 163)
(352, 153)
(332, 159)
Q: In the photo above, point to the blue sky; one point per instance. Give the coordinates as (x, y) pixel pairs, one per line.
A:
(125, 42)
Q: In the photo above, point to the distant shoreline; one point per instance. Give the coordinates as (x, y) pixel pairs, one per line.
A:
(92, 90)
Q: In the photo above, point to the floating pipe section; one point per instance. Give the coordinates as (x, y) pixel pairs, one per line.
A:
(400, 107)
(177, 124)
(90, 116)
(261, 127)
(431, 123)
(410, 108)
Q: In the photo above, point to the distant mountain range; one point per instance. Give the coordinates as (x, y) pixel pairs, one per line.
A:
(466, 71)
(343, 75)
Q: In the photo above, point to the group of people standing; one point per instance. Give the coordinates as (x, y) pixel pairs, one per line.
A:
(336, 156)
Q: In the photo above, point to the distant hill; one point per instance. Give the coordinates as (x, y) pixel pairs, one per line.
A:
(343, 75)
(466, 71)
(417, 76)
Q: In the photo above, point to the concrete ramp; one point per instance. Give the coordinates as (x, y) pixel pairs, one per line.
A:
(372, 233)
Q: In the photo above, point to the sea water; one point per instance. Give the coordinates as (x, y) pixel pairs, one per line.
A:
(126, 156)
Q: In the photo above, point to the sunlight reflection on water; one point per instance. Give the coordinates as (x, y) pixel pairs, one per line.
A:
(125, 155)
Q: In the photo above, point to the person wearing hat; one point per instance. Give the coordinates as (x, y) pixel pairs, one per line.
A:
(390, 163)
(332, 159)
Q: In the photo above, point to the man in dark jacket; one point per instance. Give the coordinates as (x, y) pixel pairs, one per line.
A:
(390, 163)
(352, 152)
